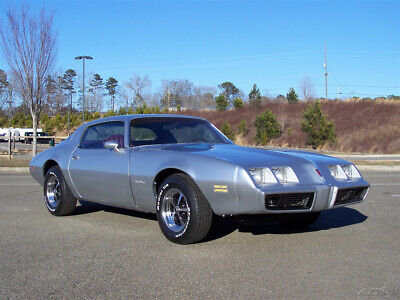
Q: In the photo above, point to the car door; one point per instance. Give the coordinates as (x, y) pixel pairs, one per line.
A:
(100, 174)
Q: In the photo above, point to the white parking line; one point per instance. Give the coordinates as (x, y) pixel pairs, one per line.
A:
(388, 184)
(19, 184)
(395, 195)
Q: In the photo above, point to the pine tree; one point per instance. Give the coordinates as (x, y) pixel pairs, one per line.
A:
(226, 129)
(111, 87)
(292, 97)
(255, 96)
(68, 85)
(96, 87)
(237, 103)
(229, 90)
(221, 102)
(319, 129)
(267, 127)
(243, 127)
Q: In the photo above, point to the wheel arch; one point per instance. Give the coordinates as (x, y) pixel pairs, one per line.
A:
(48, 164)
(162, 175)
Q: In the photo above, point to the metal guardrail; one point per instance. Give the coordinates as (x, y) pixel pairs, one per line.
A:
(12, 139)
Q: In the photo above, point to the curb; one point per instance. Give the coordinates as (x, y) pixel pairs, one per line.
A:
(14, 170)
(360, 167)
(378, 168)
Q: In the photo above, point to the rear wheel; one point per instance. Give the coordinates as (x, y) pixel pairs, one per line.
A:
(299, 220)
(58, 197)
(183, 213)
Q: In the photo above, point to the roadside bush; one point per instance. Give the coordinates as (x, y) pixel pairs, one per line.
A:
(122, 111)
(243, 127)
(226, 129)
(4, 122)
(267, 127)
(237, 103)
(320, 131)
(109, 113)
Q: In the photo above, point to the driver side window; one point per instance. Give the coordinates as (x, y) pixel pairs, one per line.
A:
(96, 135)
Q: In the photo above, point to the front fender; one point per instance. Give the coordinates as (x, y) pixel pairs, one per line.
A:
(214, 177)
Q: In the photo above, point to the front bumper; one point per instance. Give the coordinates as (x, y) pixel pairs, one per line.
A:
(323, 197)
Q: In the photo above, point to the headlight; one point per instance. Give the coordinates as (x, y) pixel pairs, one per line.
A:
(351, 171)
(285, 175)
(263, 176)
(337, 172)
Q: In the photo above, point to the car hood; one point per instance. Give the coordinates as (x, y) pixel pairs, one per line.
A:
(254, 157)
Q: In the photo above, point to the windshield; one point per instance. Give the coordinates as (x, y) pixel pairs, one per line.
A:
(170, 130)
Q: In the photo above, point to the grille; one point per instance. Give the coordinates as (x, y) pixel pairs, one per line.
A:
(345, 196)
(289, 201)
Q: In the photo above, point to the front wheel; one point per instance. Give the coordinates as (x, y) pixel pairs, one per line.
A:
(58, 197)
(183, 213)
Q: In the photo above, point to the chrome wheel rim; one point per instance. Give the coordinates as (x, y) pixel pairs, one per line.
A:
(53, 191)
(175, 210)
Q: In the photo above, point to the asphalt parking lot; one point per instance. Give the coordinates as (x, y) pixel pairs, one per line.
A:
(102, 252)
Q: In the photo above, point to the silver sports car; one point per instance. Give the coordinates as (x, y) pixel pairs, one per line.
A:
(186, 171)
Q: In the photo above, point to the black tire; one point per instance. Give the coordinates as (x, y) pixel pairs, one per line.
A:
(65, 201)
(299, 220)
(199, 214)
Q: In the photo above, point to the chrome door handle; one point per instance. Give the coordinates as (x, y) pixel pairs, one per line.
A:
(75, 157)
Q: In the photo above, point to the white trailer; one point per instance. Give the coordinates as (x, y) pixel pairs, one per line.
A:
(18, 133)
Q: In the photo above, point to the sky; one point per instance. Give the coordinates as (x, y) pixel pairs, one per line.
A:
(271, 43)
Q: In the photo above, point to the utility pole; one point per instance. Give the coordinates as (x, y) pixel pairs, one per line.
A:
(83, 85)
(326, 76)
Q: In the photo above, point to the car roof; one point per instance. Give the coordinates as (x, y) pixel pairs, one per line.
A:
(131, 117)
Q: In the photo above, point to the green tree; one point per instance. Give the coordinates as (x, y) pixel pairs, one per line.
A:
(292, 97)
(255, 96)
(237, 103)
(221, 102)
(243, 127)
(229, 90)
(68, 85)
(320, 131)
(96, 90)
(111, 87)
(55, 97)
(226, 129)
(267, 127)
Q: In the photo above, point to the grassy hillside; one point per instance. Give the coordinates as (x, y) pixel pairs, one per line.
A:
(361, 126)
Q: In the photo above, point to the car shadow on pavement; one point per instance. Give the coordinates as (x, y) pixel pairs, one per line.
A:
(257, 225)
(335, 218)
(268, 224)
(87, 207)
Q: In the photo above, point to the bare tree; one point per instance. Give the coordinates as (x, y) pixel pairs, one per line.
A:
(307, 88)
(138, 86)
(29, 47)
(203, 97)
(176, 93)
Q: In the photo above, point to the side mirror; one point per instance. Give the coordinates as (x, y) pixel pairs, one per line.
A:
(112, 145)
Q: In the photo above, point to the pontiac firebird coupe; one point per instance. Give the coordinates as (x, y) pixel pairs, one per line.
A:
(185, 170)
